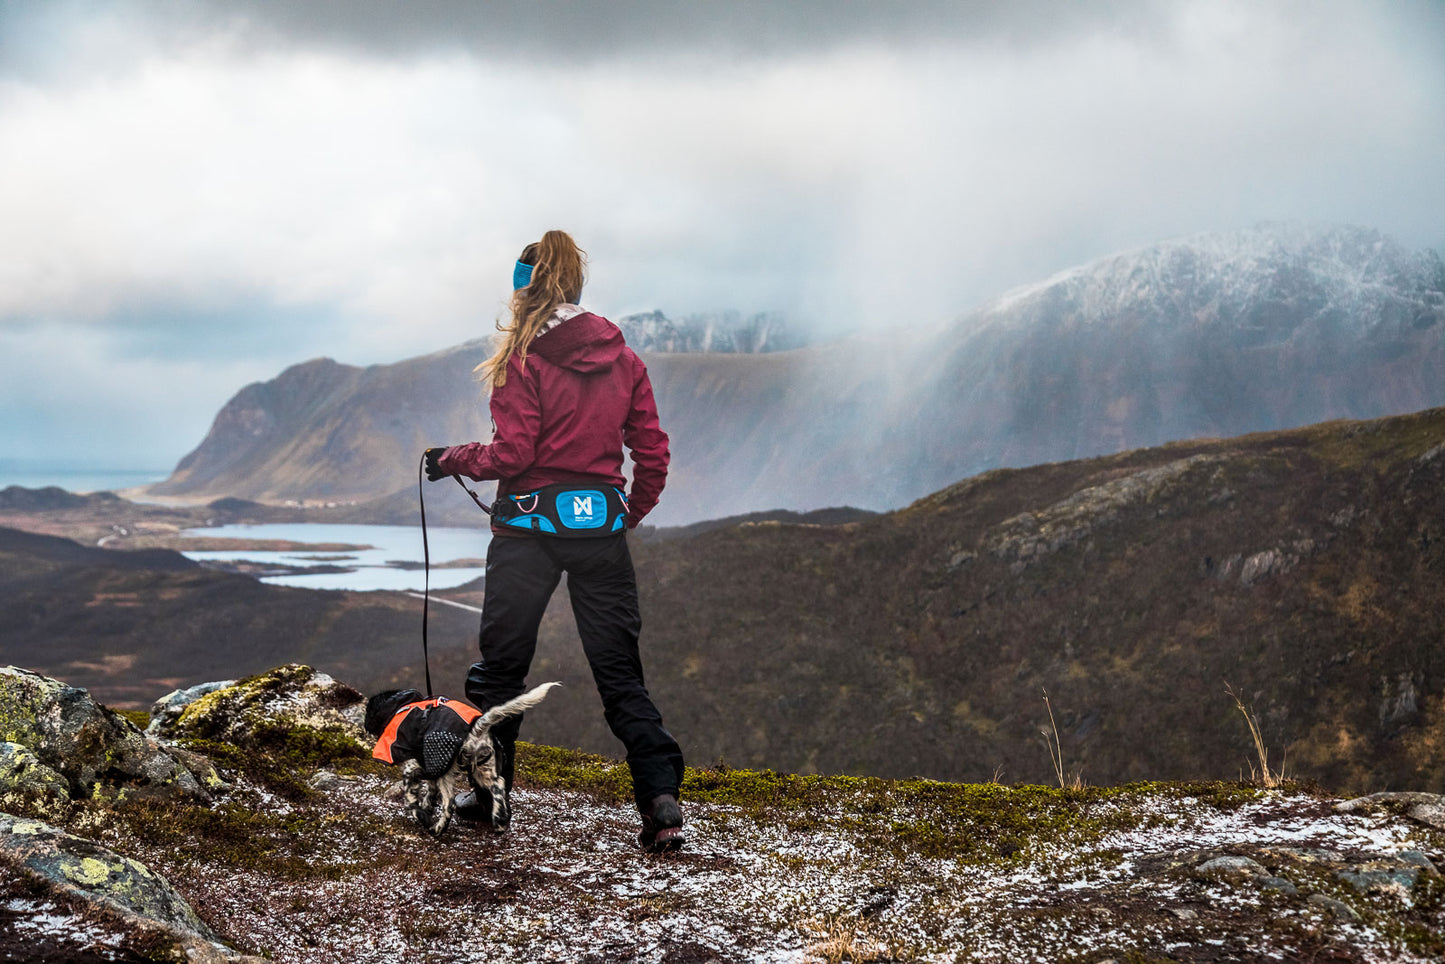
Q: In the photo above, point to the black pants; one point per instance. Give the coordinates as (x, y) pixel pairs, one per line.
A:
(521, 575)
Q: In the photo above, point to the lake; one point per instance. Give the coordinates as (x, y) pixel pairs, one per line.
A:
(371, 568)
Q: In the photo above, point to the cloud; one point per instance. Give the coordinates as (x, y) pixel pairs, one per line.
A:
(569, 32)
(247, 186)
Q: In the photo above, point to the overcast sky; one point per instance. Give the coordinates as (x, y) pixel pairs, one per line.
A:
(195, 195)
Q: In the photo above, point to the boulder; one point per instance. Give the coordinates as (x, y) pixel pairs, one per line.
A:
(165, 711)
(96, 873)
(1397, 798)
(257, 712)
(95, 750)
(1427, 808)
(82, 868)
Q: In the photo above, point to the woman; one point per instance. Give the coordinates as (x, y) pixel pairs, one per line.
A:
(567, 395)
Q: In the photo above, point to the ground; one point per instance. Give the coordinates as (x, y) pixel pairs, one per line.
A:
(782, 868)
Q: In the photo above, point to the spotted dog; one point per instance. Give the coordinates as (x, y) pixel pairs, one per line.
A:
(439, 743)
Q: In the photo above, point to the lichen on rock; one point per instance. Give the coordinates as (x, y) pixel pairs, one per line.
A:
(94, 749)
(21, 771)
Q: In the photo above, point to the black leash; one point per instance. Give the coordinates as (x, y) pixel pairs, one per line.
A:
(426, 566)
(426, 559)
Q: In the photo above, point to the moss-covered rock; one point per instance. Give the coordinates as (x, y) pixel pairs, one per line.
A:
(95, 750)
(259, 712)
(165, 711)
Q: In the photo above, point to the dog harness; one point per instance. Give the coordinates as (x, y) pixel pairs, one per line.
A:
(383, 749)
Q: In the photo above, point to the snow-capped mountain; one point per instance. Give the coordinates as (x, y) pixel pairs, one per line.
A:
(1273, 278)
(724, 332)
(1216, 335)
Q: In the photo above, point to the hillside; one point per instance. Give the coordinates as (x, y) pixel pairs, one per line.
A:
(1270, 328)
(1302, 568)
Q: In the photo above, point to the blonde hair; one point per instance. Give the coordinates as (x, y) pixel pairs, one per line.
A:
(558, 273)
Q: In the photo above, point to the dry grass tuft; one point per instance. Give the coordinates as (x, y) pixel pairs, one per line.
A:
(841, 940)
(1264, 776)
(1056, 752)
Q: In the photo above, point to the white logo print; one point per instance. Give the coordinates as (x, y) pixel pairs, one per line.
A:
(582, 505)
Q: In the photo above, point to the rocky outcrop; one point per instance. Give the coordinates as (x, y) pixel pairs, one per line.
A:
(257, 711)
(776, 867)
(1028, 537)
(52, 729)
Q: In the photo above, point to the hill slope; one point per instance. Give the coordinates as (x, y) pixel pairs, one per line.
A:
(1270, 328)
(1301, 567)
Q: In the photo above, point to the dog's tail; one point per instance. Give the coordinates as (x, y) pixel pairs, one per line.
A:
(526, 701)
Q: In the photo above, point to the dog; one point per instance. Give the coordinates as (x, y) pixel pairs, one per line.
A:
(438, 743)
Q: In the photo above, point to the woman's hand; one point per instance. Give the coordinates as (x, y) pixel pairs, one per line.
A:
(434, 470)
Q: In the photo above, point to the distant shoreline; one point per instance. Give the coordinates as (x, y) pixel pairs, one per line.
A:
(79, 481)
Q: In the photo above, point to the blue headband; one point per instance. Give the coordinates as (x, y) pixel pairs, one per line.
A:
(521, 275)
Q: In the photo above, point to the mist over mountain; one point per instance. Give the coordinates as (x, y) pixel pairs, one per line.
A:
(1215, 335)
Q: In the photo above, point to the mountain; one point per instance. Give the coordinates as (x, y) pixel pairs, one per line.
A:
(652, 331)
(323, 430)
(1217, 335)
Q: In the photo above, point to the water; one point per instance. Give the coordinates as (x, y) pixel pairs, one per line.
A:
(39, 476)
(371, 569)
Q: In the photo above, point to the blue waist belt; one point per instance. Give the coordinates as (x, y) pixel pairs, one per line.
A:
(569, 510)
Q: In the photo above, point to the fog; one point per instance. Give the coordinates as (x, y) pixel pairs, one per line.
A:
(197, 194)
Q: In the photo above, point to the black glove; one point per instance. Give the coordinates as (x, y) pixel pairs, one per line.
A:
(433, 469)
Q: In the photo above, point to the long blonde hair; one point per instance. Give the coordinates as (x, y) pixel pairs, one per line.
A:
(559, 270)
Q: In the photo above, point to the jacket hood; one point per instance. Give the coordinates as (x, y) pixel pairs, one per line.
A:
(584, 343)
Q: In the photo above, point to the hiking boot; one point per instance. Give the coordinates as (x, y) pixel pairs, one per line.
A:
(661, 825)
(475, 806)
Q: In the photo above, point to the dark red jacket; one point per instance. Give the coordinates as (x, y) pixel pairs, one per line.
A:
(564, 415)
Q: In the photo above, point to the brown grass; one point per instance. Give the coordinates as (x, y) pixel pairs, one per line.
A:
(1056, 752)
(843, 940)
(1264, 776)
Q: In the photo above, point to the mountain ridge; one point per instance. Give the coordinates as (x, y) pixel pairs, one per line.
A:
(1218, 335)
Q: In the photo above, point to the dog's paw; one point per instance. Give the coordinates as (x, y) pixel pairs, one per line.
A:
(501, 810)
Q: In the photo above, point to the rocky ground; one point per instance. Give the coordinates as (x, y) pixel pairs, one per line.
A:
(306, 856)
